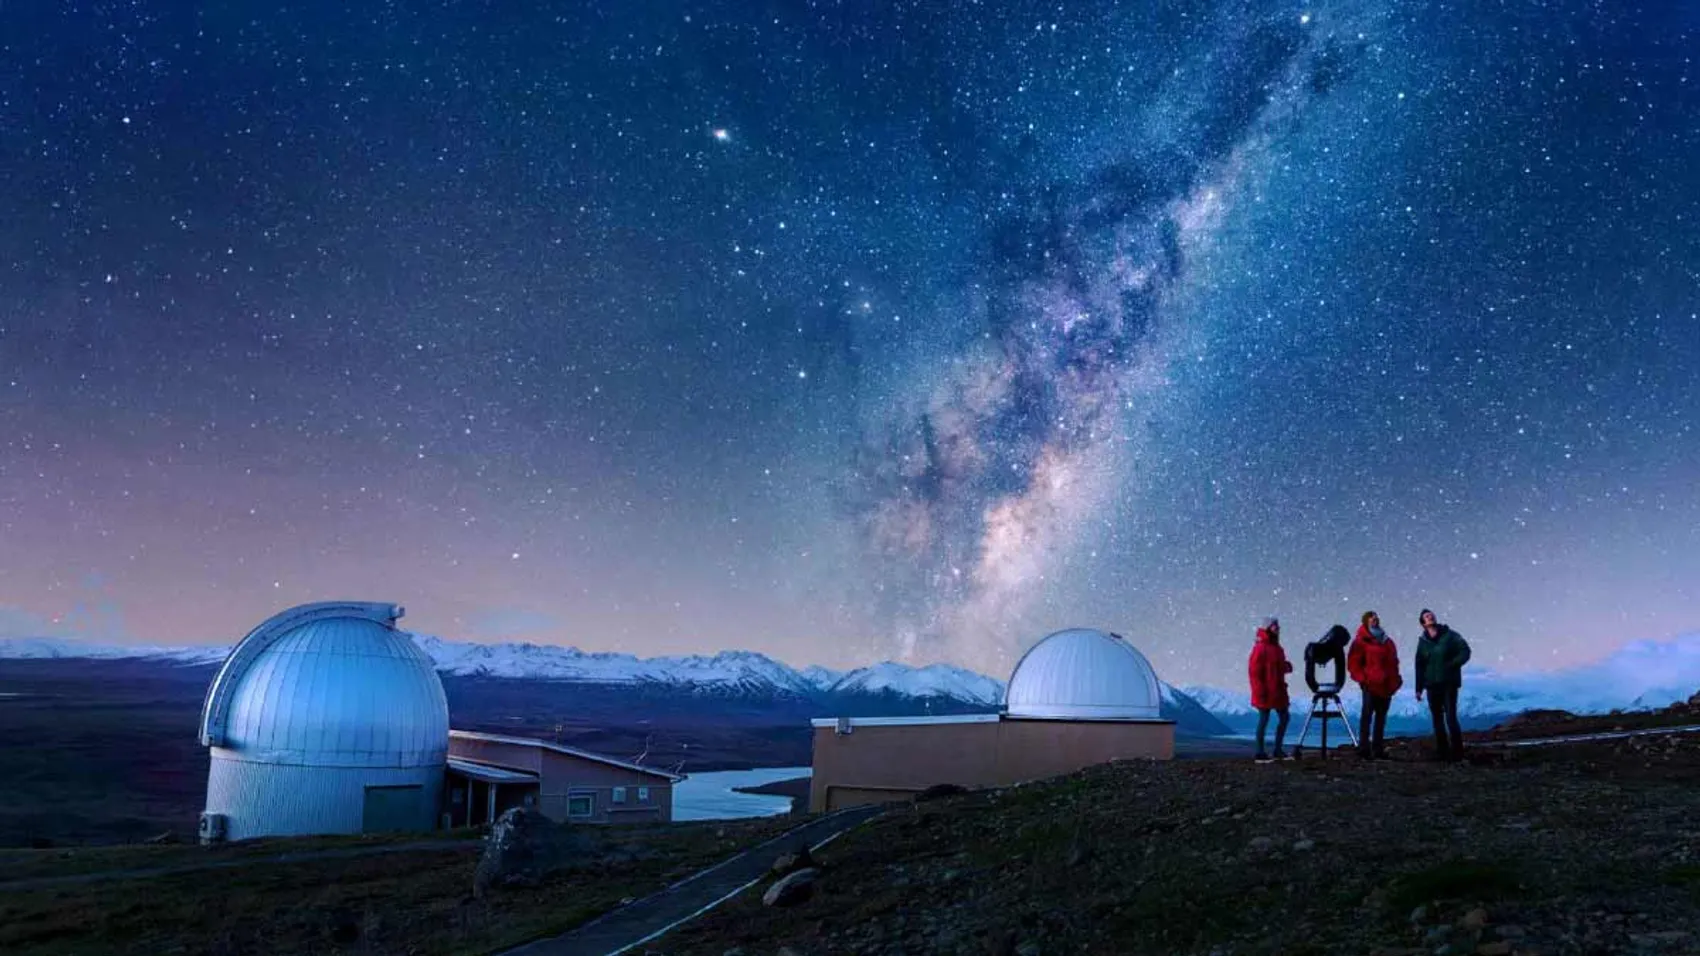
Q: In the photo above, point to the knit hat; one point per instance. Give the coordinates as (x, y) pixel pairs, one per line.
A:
(1268, 623)
(1366, 617)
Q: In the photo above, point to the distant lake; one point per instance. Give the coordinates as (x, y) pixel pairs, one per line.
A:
(710, 796)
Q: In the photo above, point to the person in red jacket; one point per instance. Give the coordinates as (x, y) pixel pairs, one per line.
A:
(1373, 661)
(1268, 670)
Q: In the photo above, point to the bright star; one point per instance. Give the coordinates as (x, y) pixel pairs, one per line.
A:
(722, 135)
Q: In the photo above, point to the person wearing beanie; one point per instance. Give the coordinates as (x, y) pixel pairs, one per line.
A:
(1373, 662)
(1441, 656)
(1268, 670)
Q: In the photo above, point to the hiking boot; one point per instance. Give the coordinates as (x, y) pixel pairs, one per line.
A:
(1283, 755)
(1261, 757)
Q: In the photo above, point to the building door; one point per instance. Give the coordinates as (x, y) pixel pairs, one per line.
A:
(389, 809)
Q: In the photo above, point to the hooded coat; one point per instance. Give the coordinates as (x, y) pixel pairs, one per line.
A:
(1441, 659)
(1268, 670)
(1374, 663)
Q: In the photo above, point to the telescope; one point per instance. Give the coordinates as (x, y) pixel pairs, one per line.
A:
(1325, 704)
(1330, 648)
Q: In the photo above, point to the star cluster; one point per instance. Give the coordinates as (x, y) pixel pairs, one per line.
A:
(841, 332)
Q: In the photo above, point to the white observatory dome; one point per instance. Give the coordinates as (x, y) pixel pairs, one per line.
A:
(1083, 674)
(325, 719)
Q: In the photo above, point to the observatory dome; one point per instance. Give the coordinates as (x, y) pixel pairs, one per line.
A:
(1084, 674)
(325, 719)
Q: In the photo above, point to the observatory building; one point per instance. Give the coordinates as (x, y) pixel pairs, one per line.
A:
(325, 719)
(1078, 697)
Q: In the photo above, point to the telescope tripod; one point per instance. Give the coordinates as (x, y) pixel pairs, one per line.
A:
(1321, 710)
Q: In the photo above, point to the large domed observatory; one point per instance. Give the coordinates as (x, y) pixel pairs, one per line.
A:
(324, 719)
(1078, 697)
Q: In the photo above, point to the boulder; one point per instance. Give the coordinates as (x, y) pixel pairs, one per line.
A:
(788, 863)
(938, 791)
(796, 888)
(524, 847)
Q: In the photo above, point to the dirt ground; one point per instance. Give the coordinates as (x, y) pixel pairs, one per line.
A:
(1578, 849)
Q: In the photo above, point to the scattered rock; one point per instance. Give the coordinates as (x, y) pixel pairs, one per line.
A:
(160, 838)
(1302, 846)
(789, 863)
(1500, 948)
(796, 888)
(1079, 852)
(1419, 915)
(1475, 919)
(342, 926)
(1028, 948)
(1261, 844)
(524, 847)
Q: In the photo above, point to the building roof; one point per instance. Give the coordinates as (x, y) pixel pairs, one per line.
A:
(1083, 674)
(330, 684)
(563, 749)
(906, 721)
(490, 773)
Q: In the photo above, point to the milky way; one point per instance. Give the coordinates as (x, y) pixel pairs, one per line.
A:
(1022, 438)
(842, 331)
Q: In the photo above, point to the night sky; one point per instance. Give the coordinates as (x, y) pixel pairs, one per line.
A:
(852, 331)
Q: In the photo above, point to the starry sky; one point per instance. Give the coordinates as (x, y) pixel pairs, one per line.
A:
(853, 331)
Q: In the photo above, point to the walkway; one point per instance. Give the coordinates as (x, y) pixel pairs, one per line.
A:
(1601, 735)
(419, 846)
(625, 929)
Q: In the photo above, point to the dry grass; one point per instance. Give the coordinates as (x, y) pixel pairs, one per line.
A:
(403, 902)
(1584, 849)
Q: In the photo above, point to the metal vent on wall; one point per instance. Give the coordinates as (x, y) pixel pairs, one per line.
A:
(213, 827)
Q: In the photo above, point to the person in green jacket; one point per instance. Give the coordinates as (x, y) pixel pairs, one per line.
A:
(1441, 656)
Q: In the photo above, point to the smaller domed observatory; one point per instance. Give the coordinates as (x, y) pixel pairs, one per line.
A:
(324, 719)
(1082, 674)
(1078, 697)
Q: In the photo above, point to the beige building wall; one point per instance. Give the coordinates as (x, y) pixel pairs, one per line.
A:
(567, 783)
(617, 795)
(878, 761)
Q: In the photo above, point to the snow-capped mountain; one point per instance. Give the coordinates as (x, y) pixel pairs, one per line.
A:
(45, 647)
(725, 672)
(1643, 675)
(933, 680)
(822, 678)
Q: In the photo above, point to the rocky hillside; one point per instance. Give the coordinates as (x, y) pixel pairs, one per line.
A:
(1591, 848)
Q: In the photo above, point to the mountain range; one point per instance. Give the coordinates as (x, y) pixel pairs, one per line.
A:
(1639, 675)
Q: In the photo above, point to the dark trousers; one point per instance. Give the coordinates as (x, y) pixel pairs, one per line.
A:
(1448, 736)
(1280, 728)
(1373, 717)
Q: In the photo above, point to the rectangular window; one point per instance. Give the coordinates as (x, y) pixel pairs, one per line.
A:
(619, 794)
(581, 805)
(643, 794)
